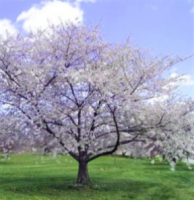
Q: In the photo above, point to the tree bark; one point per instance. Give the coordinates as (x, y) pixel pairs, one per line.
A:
(83, 177)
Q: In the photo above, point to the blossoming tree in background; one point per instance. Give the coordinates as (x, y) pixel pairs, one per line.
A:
(10, 136)
(89, 95)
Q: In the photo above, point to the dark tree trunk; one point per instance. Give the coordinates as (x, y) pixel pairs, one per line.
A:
(83, 177)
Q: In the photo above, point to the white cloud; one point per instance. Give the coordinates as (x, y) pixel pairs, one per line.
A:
(174, 75)
(188, 80)
(47, 11)
(159, 99)
(38, 16)
(185, 80)
(6, 27)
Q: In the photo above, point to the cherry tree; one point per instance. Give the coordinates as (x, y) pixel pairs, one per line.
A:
(89, 95)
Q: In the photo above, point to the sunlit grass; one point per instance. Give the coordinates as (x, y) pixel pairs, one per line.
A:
(26, 177)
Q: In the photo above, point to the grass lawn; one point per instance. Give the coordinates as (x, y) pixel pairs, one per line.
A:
(26, 177)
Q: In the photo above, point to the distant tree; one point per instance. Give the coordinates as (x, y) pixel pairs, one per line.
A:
(177, 140)
(8, 134)
(86, 93)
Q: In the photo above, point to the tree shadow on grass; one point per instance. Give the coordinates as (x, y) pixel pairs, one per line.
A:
(2, 163)
(44, 186)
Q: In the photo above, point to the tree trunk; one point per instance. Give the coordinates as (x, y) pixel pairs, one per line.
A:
(83, 177)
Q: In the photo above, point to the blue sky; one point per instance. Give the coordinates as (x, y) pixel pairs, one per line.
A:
(163, 26)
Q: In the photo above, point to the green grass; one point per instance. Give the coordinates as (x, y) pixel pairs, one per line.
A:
(26, 177)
